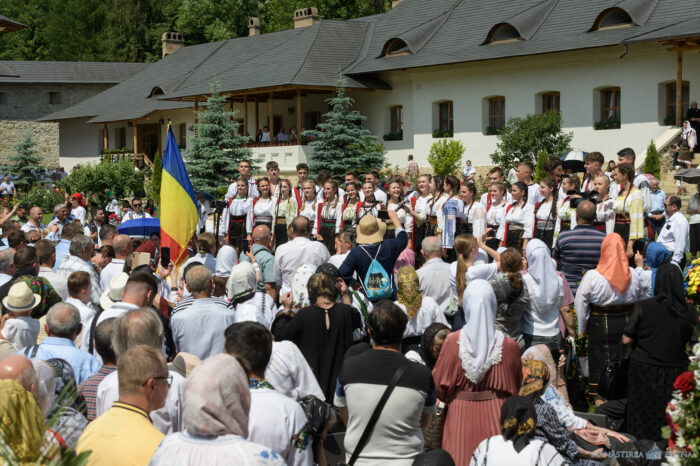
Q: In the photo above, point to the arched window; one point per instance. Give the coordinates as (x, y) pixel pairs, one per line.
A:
(395, 47)
(503, 32)
(612, 18)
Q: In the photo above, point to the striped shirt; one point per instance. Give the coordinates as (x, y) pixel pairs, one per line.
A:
(88, 390)
(579, 251)
(188, 300)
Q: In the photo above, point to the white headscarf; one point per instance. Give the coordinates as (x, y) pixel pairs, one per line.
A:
(480, 343)
(242, 281)
(543, 271)
(687, 128)
(225, 260)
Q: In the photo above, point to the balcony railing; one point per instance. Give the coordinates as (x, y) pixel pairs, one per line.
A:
(139, 159)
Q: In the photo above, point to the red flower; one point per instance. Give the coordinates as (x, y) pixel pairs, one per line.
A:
(685, 383)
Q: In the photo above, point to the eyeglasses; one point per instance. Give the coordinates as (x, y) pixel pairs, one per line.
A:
(137, 205)
(168, 379)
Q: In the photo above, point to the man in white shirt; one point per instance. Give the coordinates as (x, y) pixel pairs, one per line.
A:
(432, 279)
(79, 292)
(275, 420)
(674, 234)
(80, 250)
(34, 222)
(244, 168)
(138, 212)
(56, 225)
(7, 187)
(495, 176)
(133, 328)
(46, 254)
(123, 247)
(525, 170)
(293, 254)
(513, 172)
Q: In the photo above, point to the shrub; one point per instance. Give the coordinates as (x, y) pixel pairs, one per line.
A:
(612, 123)
(394, 136)
(540, 172)
(96, 178)
(156, 177)
(446, 156)
(652, 164)
(46, 198)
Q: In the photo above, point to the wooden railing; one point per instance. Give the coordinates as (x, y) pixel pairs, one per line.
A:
(139, 159)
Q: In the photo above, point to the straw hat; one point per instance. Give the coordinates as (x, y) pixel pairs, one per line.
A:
(114, 293)
(20, 299)
(370, 230)
(184, 363)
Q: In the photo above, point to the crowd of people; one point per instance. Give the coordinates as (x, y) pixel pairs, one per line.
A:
(374, 322)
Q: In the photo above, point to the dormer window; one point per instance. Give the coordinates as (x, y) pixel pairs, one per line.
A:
(503, 32)
(612, 18)
(396, 47)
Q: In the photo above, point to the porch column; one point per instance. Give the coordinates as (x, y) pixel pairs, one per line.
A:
(270, 118)
(105, 136)
(196, 116)
(257, 120)
(298, 116)
(679, 87)
(245, 115)
(136, 136)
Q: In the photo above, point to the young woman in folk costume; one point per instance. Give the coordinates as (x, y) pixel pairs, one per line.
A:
(307, 207)
(394, 191)
(370, 205)
(329, 215)
(516, 229)
(236, 214)
(567, 214)
(605, 213)
(496, 212)
(628, 207)
(452, 211)
(263, 210)
(474, 222)
(435, 217)
(547, 222)
(351, 206)
(286, 210)
(420, 214)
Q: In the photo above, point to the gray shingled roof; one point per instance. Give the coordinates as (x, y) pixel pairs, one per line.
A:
(676, 30)
(67, 72)
(461, 36)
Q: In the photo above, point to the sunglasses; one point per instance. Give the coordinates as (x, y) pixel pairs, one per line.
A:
(137, 205)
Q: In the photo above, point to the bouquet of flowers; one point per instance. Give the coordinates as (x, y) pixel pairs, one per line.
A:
(691, 280)
(114, 219)
(683, 415)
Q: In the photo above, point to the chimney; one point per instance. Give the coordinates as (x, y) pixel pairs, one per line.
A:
(305, 17)
(172, 41)
(395, 3)
(254, 27)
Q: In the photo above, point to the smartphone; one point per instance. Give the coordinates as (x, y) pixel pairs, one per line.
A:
(383, 215)
(165, 256)
(68, 191)
(245, 246)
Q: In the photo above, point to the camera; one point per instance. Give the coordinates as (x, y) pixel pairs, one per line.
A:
(220, 206)
(577, 197)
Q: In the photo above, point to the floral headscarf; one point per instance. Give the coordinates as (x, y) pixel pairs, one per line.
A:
(535, 377)
(408, 293)
(518, 421)
(242, 282)
(217, 400)
(23, 426)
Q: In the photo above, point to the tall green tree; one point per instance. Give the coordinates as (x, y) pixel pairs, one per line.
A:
(340, 143)
(540, 172)
(24, 162)
(212, 162)
(652, 163)
(524, 138)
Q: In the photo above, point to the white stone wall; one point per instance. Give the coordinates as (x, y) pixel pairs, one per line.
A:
(45, 135)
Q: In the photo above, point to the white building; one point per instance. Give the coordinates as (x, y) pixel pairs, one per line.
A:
(458, 67)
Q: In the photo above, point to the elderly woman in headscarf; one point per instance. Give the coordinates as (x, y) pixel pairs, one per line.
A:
(226, 259)
(247, 302)
(23, 427)
(478, 368)
(535, 378)
(216, 403)
(421, 310)
(601, 298)
(655, 256)
(657, 331)
(517, 443)
(540, 323)
(431, 343)
(323, 330)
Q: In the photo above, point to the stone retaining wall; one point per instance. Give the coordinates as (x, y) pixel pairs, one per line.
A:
(45, 135)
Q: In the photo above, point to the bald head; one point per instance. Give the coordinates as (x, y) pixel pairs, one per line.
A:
(123, 246)
(19, 368)
(261, 235)
(199, 281)
(585, 213)
(300, 226)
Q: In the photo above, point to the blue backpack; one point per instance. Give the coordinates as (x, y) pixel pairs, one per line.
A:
(377, 282)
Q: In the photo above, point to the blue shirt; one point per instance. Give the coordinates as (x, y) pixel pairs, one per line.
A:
(83, 363)
(61, 252)
(266, 261)
(657, 202)
(199, 328)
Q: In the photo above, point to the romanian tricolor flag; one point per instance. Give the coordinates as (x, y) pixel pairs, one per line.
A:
(178, 203)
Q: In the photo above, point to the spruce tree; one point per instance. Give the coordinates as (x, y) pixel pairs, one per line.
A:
(340, 143)
(24, 163)
(156, 178)
(540, 172)
(212, 162)
(652, 164)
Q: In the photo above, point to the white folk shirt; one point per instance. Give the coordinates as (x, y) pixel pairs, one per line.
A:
(290, 374)
(111, 270)
(341, 195)
(133, 216)
(379, 195)
(595, 289)
(262, 211)
(533, 194)
(167, 419)
(485, 199)
(238, 208)
(431, 278)
(292, 255)
(428, 313)
(544, 220)
(233, 190)
(476, 216)
(524, 216)
(495, 215)
(674, 236)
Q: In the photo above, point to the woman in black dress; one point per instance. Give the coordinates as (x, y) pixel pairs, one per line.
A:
(324, 330)
(658, 331)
